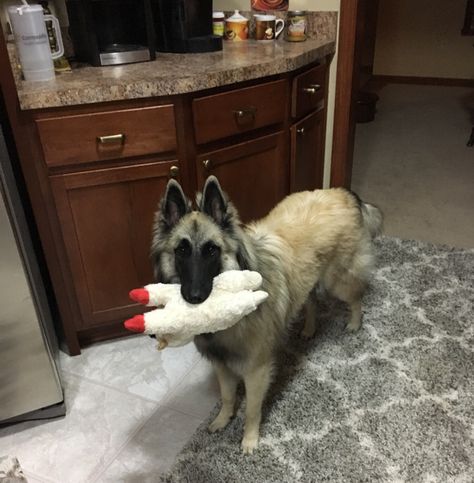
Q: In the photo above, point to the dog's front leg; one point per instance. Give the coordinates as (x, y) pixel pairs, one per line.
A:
(256, 386)
(228, 387)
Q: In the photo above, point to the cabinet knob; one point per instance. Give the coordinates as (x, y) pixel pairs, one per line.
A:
(174, 171)
(300, 130)
(312, 89)
(207, 164)
(246, 115)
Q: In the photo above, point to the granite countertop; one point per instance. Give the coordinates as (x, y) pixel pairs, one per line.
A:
(181, 73)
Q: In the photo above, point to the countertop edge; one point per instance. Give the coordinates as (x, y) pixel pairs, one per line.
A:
(121, 90)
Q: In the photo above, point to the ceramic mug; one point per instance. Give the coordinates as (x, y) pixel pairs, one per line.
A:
(268, 27)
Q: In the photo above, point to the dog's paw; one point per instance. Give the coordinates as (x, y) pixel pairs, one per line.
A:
(307, 334)
(249, 444)
(353, 326)
(219, 423)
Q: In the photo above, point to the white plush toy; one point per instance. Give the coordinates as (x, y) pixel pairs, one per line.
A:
(232, 298)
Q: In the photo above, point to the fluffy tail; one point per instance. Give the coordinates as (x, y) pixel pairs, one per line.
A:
(373, 218)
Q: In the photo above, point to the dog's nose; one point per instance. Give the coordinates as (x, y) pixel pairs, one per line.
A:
(196, 298)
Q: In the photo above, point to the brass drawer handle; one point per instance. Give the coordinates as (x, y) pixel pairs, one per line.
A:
(245, 115)
(207, 164)
(300, 130)
(312, 89)
(111, 139)
(174, 171)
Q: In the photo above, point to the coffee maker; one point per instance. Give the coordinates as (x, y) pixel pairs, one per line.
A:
(184, 26)
(111, 32)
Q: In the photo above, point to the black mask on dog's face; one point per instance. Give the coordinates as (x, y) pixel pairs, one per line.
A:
(197, 265)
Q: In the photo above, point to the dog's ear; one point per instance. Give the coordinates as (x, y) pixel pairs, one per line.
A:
(213, 201)
(174, 205)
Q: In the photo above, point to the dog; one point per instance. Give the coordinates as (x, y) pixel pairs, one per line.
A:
(322, 237)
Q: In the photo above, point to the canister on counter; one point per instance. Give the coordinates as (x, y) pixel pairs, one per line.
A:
(236, 27)
(296, 26)
(218, 23)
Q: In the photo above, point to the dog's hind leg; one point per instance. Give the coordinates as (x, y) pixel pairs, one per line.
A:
(356, 316)
(309, 328)
(350, 290)
(256, 382)
(228, 386)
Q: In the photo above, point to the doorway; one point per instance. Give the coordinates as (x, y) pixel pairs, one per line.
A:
(412, 159)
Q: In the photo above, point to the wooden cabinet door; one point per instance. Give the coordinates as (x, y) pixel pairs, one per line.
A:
(106, 220)
(307, 152)
(254, 174)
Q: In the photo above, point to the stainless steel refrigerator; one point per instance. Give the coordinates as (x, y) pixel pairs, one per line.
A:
(30, 386)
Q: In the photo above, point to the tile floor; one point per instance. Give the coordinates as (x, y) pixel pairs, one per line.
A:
(130, 409)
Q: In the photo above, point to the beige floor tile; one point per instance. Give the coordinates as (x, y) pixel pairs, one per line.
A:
(69, 450)
(153, 450)
(198, 392)
(133, 364)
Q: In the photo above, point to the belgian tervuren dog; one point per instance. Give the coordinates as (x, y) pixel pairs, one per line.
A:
(314, 237)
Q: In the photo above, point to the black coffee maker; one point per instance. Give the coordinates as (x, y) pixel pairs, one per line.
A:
(184, 26)
(111, 32)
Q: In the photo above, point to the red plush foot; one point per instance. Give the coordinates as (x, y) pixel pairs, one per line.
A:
(135, 324)
(140, 295)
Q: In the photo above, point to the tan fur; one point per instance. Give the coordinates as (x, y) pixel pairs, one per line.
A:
(320, 237)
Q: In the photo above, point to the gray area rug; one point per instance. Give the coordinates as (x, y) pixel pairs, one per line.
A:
(393, 402)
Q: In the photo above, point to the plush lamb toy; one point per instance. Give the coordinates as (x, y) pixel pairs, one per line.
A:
(231, 299)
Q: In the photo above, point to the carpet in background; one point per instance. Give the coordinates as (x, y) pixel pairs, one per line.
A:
(394, 402)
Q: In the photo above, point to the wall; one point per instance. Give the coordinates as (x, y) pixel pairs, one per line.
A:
(57, 7)
(314, 5)
(423, 39)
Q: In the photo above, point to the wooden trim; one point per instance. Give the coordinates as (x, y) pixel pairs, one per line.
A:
(104, 176)
(468, 27)
(434, 81)
(110, 331)
(346, 82)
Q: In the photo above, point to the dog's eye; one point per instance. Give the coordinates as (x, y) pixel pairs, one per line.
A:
(184, 248)
(210, 249)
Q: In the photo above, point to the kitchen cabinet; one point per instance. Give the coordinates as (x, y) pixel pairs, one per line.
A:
(307, 152)
(106, 220)
(103, 168)
(254, 173)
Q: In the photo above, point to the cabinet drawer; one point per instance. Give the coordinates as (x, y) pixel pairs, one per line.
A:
(308, 91)
(98, 136)
(240, 110)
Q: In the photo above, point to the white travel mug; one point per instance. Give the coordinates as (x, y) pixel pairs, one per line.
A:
(32, 43)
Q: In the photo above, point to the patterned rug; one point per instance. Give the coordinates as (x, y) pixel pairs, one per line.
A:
(394, 402)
